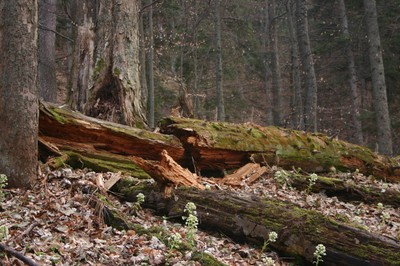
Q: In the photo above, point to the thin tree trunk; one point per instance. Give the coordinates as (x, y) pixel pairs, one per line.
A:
(275, 65)
(142, 59)
(297, 99)
(218, 70)
(307, 66)
(378, 80)
(267, 72)
(355, 91)
(18, 91)
(150, 73)
(47, 41)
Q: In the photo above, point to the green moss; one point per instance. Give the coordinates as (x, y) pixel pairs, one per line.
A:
(100, 65)
(205, 259)
(117, 71)
(103, 163)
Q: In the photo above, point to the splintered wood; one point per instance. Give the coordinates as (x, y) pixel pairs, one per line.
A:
(245, 175)
(168, 173)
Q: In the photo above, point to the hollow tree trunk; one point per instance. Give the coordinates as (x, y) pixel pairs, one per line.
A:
(105, 76)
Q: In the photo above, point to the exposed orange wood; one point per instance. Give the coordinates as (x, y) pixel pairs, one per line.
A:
(244, 175)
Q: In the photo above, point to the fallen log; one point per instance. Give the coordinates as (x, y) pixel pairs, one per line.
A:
(219, 146)
(59, 125)
(250, 218)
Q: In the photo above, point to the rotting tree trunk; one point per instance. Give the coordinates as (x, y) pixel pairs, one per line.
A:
(220, 146)
(105, 80)
(216, 146)
(251, 218)
(63, 127)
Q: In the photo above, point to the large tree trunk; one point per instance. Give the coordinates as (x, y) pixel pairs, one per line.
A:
(18, 91)
(47, 48)
(105, 76)
(378, 79)
(251, 218)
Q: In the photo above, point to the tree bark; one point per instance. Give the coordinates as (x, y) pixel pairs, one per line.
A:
(297, 98)
(215, 146)
(105, 77)
(382, 117)
(355, 91)
(219, 146)
(250, 218)
(307, 66)
(218, 65)
(47, 42)
(18, 91)
(150, 73)
(275, 64)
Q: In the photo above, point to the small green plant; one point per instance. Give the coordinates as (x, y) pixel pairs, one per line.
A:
(3, 232)
(282, 178)
(175, 241)
(191, 223)
(272, 237)
(269, 261)
(3, 184)
(320, 251)
(312, 179)
(137, 206)
(385, 216)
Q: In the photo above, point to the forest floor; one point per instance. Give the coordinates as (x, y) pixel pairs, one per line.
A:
(57, 224)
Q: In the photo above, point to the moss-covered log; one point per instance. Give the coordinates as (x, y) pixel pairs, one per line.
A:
(251, 218)
(217, 145)
(66, 125)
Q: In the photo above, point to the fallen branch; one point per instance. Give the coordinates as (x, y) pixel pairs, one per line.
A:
(18, 255)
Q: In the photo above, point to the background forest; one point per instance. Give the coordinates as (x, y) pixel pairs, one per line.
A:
(244, 61)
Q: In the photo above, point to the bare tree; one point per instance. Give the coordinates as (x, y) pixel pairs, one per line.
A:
(18, 92)
(355, 91)
(378, 79)
(47, 42)
(296, 99)
(307, 66)
(149, 61)
(218, 70)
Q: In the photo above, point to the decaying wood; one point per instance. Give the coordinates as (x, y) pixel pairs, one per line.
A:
(217, 145)
(245, 175)
(168, 173)
(250, 218)
(62, 124)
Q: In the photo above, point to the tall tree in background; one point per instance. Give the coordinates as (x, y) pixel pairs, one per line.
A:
(307, 66)
(275, 64)
(105, 81)
(355, 92)
(150, 67)
(378, 79)
(18, 91)
(47, 42)
(218, 68)
(297, 116)
(266, 44)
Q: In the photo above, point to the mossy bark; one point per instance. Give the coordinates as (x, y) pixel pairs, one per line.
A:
(63, 127)
(217, 145)
(250, 218)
